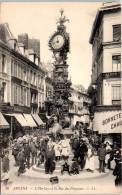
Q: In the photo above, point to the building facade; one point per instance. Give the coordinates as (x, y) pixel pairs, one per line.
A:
(79, 103)
(22, 80)
(105, 88)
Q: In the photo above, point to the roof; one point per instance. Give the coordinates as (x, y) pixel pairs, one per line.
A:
(5, 34)
(105, 7)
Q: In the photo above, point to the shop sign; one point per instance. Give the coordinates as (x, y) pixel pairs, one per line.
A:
(108, 122)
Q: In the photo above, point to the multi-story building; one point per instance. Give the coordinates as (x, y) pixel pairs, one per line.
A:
(105, 88)
(79, 105)
(22, 81)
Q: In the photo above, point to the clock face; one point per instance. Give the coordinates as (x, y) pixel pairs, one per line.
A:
(57, 42)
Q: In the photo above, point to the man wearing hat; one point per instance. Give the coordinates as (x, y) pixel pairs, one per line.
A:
(27, 152)
(15, 151)
(50, 160)
(101, 155)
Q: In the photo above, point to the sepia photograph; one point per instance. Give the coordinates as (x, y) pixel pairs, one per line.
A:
(60, 97)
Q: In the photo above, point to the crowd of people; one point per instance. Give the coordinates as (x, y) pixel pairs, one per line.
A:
(32, 150)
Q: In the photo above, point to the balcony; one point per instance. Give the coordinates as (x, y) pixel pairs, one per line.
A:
(116, 102)
(16, 80)
(108, 75)
(4, 75)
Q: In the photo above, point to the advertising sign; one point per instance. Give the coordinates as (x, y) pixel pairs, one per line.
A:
(108, 122)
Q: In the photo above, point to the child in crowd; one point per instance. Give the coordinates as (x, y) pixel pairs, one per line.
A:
(75, 167)
(65, 167)
(5, 168)
(57, 149)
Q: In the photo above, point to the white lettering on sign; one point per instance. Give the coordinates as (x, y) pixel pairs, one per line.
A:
(112, 118)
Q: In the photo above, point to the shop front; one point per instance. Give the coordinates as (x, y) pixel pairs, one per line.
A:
(109, 124)
(4, 131)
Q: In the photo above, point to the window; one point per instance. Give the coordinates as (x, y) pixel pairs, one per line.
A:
(116, 63)
(15, 94)
(25, 96)
(24, 73)
(12, 67)
(12, 93)
(15, 69)
(19, 70)
(117, 32)
(28, 97)
(116, 93)
(34, 81)
(27, 75)
(3, 63)
(22, 95)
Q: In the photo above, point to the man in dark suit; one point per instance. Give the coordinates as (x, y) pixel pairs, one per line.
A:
(101, 155)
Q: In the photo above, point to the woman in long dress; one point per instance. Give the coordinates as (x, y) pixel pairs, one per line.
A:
(89, 166)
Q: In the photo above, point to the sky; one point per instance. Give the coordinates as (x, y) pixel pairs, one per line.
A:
(38, 19)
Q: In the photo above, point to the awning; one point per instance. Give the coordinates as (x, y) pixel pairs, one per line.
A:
(37, 119)
(20, 119)
(30, 120)
(3, 123)
(108, 122)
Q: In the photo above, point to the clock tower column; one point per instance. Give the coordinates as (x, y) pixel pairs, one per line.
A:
(59, 45)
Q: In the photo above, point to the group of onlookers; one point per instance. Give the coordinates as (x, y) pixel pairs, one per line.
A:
(29, 150)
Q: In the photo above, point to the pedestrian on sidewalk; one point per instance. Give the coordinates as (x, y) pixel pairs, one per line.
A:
(49, 160)
(108, 151)
(112, 153)
(5, 168)
(89, 166)
(83, 149)
(101, 155)
(15, 151)
(27, 152)
(21, 158)
(33, 151)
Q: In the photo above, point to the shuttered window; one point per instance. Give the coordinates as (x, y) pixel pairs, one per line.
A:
(116, 92)
(116, 63)
(117, 32)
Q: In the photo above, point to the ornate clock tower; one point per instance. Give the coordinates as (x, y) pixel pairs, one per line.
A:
(59, 45)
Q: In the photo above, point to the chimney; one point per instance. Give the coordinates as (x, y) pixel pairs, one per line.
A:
(23, 38)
